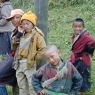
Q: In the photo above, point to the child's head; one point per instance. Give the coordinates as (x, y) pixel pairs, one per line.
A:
(15, 17)
(78, 25)
(28, 21)
(52, 55)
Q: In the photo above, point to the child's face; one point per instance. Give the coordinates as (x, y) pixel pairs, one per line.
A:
(77, 27)
(53, 57)
(16, 20)
(27, 25)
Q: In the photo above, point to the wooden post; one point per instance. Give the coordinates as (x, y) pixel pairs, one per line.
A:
(41, 10)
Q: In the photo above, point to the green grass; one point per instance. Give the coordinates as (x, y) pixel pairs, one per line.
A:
(60, 29)
(60, 24)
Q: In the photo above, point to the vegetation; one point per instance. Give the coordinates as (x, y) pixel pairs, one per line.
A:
(61, 13)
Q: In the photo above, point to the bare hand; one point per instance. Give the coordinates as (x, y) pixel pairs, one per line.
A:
(43, 93)
(20, 29)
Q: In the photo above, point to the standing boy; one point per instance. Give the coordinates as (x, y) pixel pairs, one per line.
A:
(82, 51)
(29, 53)
(15, 18)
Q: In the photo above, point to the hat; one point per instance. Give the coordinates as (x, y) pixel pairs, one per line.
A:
(30, 17)
(15, 12)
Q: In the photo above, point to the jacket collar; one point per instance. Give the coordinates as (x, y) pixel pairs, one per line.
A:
(59, 67)
(79, 36)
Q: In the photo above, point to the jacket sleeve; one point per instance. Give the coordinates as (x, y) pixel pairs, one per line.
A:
(91, 42)
(77, 81)
(37, 79)
(40, 48)
(90, 45)
(16, 40)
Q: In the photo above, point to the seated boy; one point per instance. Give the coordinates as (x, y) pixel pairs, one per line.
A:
(56, 77)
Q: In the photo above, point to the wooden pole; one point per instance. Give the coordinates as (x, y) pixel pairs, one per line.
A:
(41, 10)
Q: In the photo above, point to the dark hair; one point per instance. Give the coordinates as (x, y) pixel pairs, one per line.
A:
(79, 20)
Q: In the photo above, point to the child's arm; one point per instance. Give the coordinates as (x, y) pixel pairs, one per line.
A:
(40, 48)
(48, 82)
(37, 81)
(58, 76)
(16, 38)
(91, 42)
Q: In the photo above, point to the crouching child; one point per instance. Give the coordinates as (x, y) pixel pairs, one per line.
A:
(56, 77)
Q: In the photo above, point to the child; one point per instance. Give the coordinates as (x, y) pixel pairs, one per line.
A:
(67, 83)
(29, 53)
(15, 18)
(82, 50)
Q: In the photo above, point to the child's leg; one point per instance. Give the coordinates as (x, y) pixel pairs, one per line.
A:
(84, 70)
(15, 90)
(86, 80)
(29, 79)
(22, 80)
(3, 90)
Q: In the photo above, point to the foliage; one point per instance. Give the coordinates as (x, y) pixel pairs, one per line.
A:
(66, 3)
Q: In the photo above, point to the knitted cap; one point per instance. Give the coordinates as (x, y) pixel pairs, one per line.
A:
(30, 17)
(15, 12)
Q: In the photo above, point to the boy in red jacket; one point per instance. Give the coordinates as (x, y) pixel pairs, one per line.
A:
(83, 46)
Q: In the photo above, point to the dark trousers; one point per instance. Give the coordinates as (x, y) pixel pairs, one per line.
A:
(85, 72)
(3, 90)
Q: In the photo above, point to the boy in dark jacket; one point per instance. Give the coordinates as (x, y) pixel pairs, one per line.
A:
(83, 46)
(56, 77)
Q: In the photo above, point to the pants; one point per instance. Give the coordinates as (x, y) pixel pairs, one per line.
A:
(24, 79)
(3, 90)
(85, 72)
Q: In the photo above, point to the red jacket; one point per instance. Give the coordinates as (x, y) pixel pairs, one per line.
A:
(83, 48)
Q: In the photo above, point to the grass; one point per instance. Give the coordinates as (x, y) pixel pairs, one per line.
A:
(60, 24)
(60, 30)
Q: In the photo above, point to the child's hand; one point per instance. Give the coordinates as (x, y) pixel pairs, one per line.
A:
(20, 29)
(43, 93)
(15, 40)
(45, 85)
